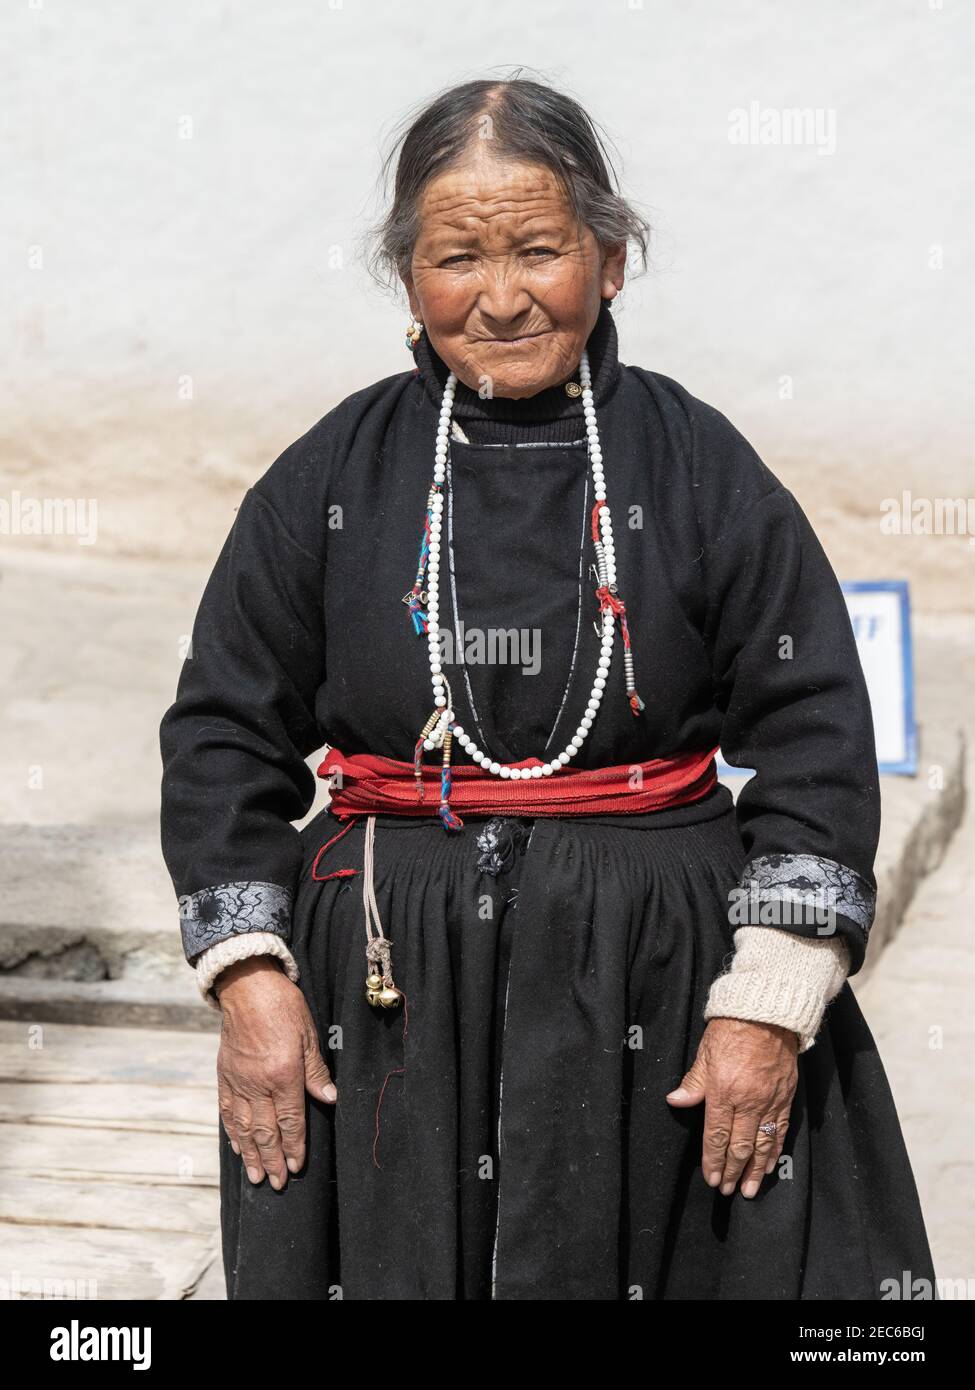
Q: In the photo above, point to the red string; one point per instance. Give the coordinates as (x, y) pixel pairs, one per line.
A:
(397, 1071)
(339, 872)
(608, 600)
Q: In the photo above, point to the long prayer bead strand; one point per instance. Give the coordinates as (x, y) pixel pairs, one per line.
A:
(441, 726)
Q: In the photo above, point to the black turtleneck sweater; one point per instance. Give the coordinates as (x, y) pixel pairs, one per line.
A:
(550, 416)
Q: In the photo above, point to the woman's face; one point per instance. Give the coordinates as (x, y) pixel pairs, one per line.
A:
(506, 283)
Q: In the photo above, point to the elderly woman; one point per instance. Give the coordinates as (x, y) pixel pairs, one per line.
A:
(532, 1010)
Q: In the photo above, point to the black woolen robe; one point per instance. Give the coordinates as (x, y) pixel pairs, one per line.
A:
(555, 968)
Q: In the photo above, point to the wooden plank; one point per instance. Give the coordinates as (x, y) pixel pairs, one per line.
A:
(55, 1151)
(27, 1200)
(166, 1109)
(106, 1264)
(213, 1285)
(81, 1055)
(109, 1163)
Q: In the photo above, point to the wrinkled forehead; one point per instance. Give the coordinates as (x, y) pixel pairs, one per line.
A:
(502, 199)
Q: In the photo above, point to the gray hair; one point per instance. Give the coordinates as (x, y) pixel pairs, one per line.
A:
(527, 121)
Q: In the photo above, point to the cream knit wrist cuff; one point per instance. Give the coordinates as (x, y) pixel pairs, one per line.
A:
(778, 977)
(233, 948)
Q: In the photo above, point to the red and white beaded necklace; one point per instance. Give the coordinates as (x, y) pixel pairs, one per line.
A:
(423, 603)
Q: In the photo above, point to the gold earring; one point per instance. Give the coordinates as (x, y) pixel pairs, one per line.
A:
(413, 333)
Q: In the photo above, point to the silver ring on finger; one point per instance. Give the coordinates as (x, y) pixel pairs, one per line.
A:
(769, 1127)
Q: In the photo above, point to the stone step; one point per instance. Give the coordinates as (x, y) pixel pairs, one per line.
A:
(122, 1003)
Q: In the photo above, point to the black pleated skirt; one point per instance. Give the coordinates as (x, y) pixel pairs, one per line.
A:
(507, 1135)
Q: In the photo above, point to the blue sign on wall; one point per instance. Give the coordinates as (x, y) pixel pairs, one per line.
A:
(880, 612)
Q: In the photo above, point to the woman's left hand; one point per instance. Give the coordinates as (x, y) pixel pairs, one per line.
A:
(746, 1073)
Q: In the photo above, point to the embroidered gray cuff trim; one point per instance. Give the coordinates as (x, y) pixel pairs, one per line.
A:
(802, 888)
(213, 914)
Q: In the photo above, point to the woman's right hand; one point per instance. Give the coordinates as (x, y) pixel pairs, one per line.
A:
(268, 1058)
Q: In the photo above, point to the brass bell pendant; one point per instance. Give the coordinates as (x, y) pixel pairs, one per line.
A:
(382, 995)
(380, 990)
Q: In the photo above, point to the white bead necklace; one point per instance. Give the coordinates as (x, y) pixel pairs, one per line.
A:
(441, 727)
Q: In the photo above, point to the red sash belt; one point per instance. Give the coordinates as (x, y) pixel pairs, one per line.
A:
(369, 785)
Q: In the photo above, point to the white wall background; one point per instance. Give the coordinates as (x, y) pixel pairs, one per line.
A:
(185, 185)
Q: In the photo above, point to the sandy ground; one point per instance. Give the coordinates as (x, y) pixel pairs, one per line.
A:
(918, 1001)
